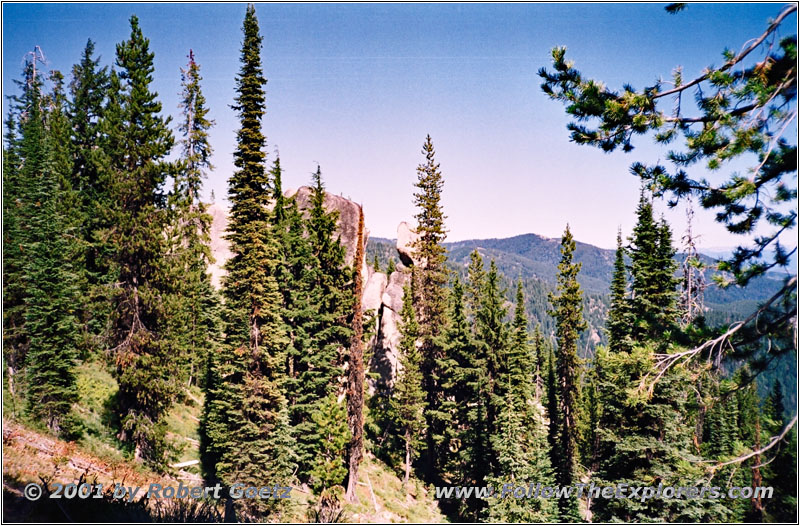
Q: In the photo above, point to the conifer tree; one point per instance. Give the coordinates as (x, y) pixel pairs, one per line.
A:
(327, 324)
(653, 304)
(554, 423)
(430, 291)
(408, 399)
(521, 441)
(248, 421)
(568, 312)
(619, 320)
(23, 158)
(193, 324)
(464, 401)
(143, 353)
(492, 342)
(521, 360)
(781, 473)
(328, 468)
(476, 277)
(43, 260)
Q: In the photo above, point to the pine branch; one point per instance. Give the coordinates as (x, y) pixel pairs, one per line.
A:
(741, 56)
(665, 361)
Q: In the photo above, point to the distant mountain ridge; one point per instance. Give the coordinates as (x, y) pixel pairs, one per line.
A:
(530, 256)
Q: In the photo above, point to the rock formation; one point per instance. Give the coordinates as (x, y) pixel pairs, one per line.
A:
(383, 295)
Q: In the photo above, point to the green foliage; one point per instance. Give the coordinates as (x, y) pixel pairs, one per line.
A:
(408, 399)
(139, 141)
(248, 419)
(568, 312)
(319, 308)
(194, 312)
(619, 315)
(430, 299)
(328, 467)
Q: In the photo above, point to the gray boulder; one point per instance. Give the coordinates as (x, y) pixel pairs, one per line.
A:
(406, 237)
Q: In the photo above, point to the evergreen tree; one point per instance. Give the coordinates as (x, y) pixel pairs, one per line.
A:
(521, 360)
(41, 320)
(568, 312)
(464, 401)
(431, 299)
(781, 473)
(554, 420)
(326, 325)
(145, 367)
(248, 423)
(476, 277)
(192, 322)
(653, 304)
(619, 320)
(521, 441)
(492, 342)
(390, 267)
(329, 467)
(408, 399)
(23, 158)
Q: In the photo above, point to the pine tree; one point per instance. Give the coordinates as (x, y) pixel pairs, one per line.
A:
(192, 324)
(653, 304)
(781, 472)
(44, 320)
(329, 467)
(248, 423)
(521, 360)
(408, 399)
(144, 365)
(554, 423)
(619, 320)
(464, 401)
(476, 277)
(430, 291)
(568, 312)
(23, 158)
(327, 325)
(492, 342)
(521, 441)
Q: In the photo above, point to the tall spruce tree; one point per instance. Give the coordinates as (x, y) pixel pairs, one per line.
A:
(193, 321)
(430, 296)
(619, 321)
(328, 327)
(88, 90)
(492, 343)
(248, 422)
(521, 441)
(568, 313)
(145, 368)
(41, 289)
(464, 401)
(408, 399)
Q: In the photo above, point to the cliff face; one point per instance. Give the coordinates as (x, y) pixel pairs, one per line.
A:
(383, 295)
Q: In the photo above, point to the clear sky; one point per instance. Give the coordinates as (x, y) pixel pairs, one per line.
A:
(356, 87)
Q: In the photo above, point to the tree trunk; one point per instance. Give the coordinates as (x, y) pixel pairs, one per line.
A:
(408, 460)
(355, 388)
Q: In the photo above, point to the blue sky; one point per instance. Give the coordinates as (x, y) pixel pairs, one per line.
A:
(356, 87)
